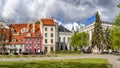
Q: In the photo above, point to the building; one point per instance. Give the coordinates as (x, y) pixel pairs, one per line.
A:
(25, 38)
(4, 36)
(63, 38)
(49, 34)
(45, 36)
(90, 29)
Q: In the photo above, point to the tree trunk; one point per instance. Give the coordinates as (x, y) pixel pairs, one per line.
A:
(4, 50)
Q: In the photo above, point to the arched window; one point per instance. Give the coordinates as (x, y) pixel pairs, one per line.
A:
(63, 39)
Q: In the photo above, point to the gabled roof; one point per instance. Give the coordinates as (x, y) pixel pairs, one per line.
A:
(48, 22)
(3, 24)
(20, 36)
(63, 29)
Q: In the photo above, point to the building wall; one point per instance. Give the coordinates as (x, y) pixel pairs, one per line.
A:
(48, 46)
(18, 47)
(33, 45)
(64, 41)
(90, 29)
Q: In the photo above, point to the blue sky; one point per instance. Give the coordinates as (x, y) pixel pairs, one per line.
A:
(89, 20)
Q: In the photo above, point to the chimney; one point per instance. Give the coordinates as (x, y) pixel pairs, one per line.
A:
(33, 27)
(28, 27)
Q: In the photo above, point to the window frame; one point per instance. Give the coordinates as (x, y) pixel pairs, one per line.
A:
(51, 29)
(51, 34)
(45, 28)
(46, 41)
(52, 41)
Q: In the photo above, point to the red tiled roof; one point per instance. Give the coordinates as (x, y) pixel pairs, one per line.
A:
(48, 22)
(19, 39)
(21, 36)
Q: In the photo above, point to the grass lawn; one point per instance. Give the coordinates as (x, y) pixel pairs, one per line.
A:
(73, 54)
(69, 63)
(30, 56)
(20, 56)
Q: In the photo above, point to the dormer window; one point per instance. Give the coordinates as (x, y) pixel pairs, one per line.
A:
(14, 40)
(24, 30)
(20, 40)
(28, 35)
(12, 30)
(37, 34)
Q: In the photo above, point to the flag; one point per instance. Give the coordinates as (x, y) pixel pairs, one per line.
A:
(90, 20)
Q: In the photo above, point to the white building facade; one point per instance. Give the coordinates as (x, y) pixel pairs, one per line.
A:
(64, 36)
(49, 35)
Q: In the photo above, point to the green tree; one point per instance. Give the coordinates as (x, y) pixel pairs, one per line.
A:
(118, 5)
(107, 39)
(79, 39)
(37, 22)
(115, 34)
(98, 36)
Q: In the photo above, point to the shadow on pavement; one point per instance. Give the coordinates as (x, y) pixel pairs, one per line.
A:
(118, 59)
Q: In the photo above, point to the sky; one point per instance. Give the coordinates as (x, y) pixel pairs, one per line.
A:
(66, 12)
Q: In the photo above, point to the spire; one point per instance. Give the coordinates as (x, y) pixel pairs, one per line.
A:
(73, 29)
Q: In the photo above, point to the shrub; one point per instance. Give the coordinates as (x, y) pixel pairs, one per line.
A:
(67, 51)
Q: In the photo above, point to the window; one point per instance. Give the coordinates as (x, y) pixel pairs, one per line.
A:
(35, 44)
(45, 29)
(45, 40)
(46, 49)
(59, 39)
(26, 44)
(30, 44)
(38, 39)
(45, 34)
(14, 40)
(11, 45)
(24, 30)
(27, 39)
(51, 48)
(51, 34)
(26, 50)
(12, 30)
(37, 34)
(51, 29)
(30, 39)
(19, 40)
(38, 44)
(28, 35)
(20, 45)
(63, 39)
(51, 40)
(68, 39)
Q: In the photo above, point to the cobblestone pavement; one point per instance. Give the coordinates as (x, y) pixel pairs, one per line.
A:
(113, 60)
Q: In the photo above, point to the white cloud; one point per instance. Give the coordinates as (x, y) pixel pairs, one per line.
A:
(71, 10)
